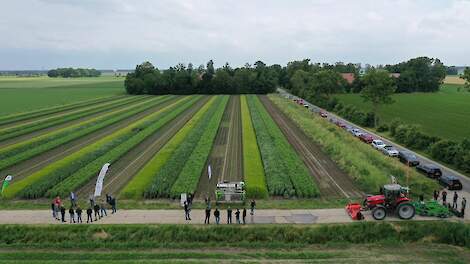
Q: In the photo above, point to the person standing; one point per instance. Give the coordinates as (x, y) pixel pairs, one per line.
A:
(237, 216)
(208, 215)
(72, 214)
(217, 215)
(229, 215)
(54, 213)
(89, 218)
(244, 215)
(186, 211)
(62, 213)
(454, 201)
(96, 208)
(78, 211)
(57, 203)
(444, 197)
(436, 195)
(462, 209)
(103, 210)
(113, 205)
(73, 199)
(253, 204)
(92, 201)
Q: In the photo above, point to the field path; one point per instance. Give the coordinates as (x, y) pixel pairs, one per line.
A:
(330, 179)
(23, 169)
(226, 158)
(129, 165)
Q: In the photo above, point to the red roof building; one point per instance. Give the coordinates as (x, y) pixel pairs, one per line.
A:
(349, 77)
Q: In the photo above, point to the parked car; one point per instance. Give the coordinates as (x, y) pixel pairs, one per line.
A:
(430, 170)
(378, 144)
(323, 114)
(389, 151)
(366, 138)
(340, 124)
(408, 158)
(356, 132)
(306, 106)
(450, 182)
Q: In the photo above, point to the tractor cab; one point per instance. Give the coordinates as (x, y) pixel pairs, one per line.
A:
(395, 194)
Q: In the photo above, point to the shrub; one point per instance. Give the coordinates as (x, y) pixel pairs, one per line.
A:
(382, 128)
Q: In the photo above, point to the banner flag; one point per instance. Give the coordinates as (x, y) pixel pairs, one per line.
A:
(99, 181)
(6, 182)
(209, 171)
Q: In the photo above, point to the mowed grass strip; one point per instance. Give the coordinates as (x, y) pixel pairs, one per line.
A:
(52, 110)
(368, 167)
(38, 183)
(147, 177)
(253, 170)
(24, 150)
(85, 174)
(189, 177)
(286, 174)
(29, 127)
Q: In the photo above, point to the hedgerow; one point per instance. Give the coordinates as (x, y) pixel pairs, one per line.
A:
(189, 177)
(368, 167)
(22, 129)
(255, 181)
(286, 174)
(38, 183)
(24, 150)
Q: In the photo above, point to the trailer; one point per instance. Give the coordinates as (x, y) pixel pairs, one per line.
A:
(230, 192)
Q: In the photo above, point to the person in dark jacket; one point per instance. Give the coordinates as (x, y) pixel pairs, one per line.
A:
(208, 215)
(237, 216)
(462, 209)
(103, 210)
(253, 204)
(78, 211)
(456, 197)
(96, 208)
(72, 214)
(436, 195)
(186, 211)
(113, 205)
(89, 218)
(229, 215)
(217, 215)
(54, 214)
(444, 197)
(62, 214)
(244, 215)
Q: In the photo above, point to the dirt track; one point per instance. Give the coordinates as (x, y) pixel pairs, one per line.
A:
(32, 165)
(127, 166)
(331, 180)
(226, 158)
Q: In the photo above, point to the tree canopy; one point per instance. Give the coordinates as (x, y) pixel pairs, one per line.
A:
(73, 73)
(378, 89)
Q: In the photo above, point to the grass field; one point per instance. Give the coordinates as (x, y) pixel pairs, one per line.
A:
(26, 94)
(444, 114)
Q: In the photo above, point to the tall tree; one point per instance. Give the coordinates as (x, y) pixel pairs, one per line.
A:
(378, 89)
(466, 77)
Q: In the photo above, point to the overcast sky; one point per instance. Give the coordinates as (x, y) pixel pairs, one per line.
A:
(110, 34)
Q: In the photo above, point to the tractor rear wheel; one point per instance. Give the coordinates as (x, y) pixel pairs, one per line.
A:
(406, 211)
(379, 212)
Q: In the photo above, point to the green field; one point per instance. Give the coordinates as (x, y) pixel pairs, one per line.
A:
(25, 94)
(444, 114)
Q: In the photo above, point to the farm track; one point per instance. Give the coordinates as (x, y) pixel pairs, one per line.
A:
(32, 165)
(129, 165)
(330, 179)
(226, 157)
(52, 128)
(61, 112)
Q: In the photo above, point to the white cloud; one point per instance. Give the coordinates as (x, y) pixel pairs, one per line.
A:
(119, 33)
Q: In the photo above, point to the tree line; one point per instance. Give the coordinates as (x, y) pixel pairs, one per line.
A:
(73, 73)
(185, 79)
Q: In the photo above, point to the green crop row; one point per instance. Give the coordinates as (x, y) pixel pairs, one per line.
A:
(46, 111)
(29, 127)
(253, 170)
(38, 183)
(144, 178)
(84, 175)
(189, 177)
(369, 168)
(24, 150)
(286, 174)
(166, 176)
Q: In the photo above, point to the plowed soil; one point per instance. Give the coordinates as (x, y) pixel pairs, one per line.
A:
(226, 158)
(331, 180)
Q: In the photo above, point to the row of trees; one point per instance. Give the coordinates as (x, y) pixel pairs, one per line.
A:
(185, 79)
(73, 73)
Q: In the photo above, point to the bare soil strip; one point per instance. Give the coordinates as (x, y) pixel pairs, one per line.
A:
(226, 158)
(30, 166)
(129, 165)
(331, 180)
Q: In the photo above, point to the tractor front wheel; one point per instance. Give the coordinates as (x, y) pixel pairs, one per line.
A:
(379, 212)
(406, 211)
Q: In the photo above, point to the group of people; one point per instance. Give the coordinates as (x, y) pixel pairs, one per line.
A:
(75, 211)
(240, 216)
(455, 198)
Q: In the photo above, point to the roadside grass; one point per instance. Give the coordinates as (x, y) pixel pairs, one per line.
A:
(253, 170)
(443, 114)
(369, 168)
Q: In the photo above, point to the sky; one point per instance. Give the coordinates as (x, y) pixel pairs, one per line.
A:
(118, 34)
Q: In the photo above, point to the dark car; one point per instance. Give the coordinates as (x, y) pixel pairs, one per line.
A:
(451, 182)
(430, 170)
(408, 158)
(366, 138)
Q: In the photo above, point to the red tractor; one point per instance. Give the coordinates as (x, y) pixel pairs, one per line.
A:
(394, 198)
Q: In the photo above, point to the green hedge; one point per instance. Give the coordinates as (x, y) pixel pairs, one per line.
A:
(24, 150)
(286, 174)
(253, 171)
(191, 172)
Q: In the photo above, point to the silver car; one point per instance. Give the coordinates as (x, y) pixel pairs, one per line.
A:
(390, 151)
